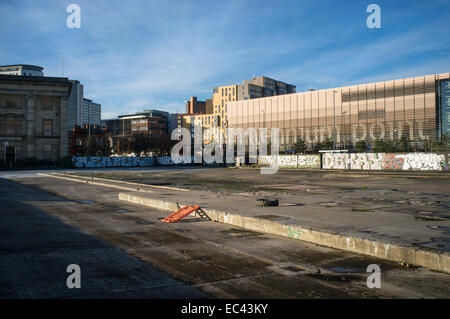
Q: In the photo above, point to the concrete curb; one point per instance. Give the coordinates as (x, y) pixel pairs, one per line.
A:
(431, 259)
(122, 182)
(125, 188)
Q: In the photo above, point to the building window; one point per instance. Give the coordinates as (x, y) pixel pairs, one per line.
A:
(222, 91)
(47, 127)
(10, 126)
(10, 103)
(46, 104)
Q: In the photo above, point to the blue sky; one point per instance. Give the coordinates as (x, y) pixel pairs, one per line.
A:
(134, 55)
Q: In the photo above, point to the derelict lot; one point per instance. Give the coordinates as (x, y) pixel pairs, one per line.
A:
(225, 261)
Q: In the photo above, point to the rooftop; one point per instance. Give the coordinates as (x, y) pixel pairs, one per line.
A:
(27, 66)
(48, 79)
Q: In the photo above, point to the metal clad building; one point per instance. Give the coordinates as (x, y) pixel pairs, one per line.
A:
(418, 108)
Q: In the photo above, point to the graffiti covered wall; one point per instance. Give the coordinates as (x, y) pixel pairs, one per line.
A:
(125, 161)
(291, 161)
(113, 161)
(287, 161)
(308, 161)
(370, 161)
(354, 161)
(416, 161)
(335, 160)
(386, 161)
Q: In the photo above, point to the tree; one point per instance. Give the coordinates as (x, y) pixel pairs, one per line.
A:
(389, 147)
(403, 145)
(300, 146)
(140, 143)
(360, 146)
(327, 144)
(378, 146)
(442, 145)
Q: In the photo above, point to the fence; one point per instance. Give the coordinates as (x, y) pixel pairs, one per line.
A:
(351, 161)
(363, 161)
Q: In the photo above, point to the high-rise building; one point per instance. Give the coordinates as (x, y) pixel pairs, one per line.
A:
(90, 112)
(75, 105)
(82, 111)
(221, 96)
(194, 106)
(255, 88)
(263, 86)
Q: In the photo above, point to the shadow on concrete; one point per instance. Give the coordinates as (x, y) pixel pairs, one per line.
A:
(36, 248)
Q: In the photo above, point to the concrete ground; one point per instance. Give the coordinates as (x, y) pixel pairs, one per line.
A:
(36, 248)
(117, 244)
(411, 209)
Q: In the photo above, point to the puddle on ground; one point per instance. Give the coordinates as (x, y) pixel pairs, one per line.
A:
(347, 270)
(329, 277)
(182, 230)
(142, 222)
(158, 182)
(298, 204)
(294, 269)
(430, 218)
(240, 232)
(121, 211)
(438, 243)
(443, 229)
(445, 204)
(84, 201)
(134, 233)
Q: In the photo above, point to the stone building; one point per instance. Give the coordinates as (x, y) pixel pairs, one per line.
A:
(33, 118)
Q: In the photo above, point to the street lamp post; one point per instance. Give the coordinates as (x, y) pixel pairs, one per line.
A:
(89, 138)
(343, 130)
(334, 120)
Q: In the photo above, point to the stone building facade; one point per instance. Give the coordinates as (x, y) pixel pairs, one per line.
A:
(33, 118)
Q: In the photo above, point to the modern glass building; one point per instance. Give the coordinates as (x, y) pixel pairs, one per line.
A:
(417, 108)
(443, 107)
